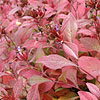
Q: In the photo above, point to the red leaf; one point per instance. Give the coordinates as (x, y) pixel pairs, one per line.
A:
(46, 97)
(37, 79)
(31, 44)
(90, 65)
(71, 74)
(54, 61)
(91, 44)
(8, 79)
(33, 93)
(18, 88)
(93, 89)
(3, 74)
(11, 26)
(86, 96)
(44, 87)
(27, 73)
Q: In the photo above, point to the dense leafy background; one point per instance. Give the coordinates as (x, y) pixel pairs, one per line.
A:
(49, 50)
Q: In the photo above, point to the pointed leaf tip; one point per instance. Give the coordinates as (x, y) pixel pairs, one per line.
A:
(54, 61)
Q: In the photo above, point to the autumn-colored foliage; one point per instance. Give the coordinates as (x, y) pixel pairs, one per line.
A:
(49, 49)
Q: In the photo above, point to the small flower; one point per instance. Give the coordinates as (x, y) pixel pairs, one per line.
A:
(21, 55)
(57, 28)
(19, 50)
(97, 17)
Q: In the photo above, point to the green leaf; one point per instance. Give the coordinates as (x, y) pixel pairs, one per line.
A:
(37, 79)
(59, 89)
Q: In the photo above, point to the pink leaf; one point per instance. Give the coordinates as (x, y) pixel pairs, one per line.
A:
(3, 74)
(93, 89)
(86, 96)
(33, 93)
(2, 65)
(37, 79)
(29, 44)
(87, 31)
(61, 16)
(81, 1)
(27, 73)
(8, 79)
(18, 88)
(90, 65)
(11, 25)
(27, 17)
(80, 10)
(91, 44)
(71, 49)
(35, 3)
(21, 35)
(44, 87)
(71, 74)
(49, 14)
(61, 5)
(54, 61)
(69, 28)
(82, 22)
(35, 44)
(14, 10)
(50, 11)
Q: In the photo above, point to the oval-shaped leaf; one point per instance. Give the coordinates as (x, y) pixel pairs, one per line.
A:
(54, 61)
(69, 27)
(86, 96)
(37, 79)
(90, 65)
(44, 87)
(93, 89)
(91, 44)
